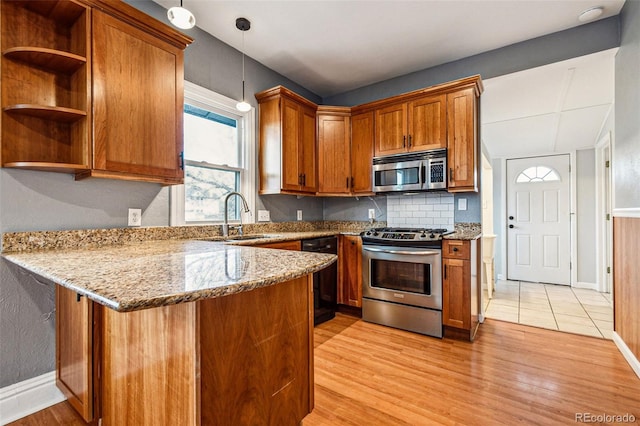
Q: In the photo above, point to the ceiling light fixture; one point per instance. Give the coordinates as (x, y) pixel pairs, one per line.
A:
(243, 25)
(590, 14)
(181, 17)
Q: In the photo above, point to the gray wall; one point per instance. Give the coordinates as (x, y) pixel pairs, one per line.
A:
(355, 208)
(586, 215)
(47, 201)
(626, 159)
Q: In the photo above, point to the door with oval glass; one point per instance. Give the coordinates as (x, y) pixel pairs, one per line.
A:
(538, 219)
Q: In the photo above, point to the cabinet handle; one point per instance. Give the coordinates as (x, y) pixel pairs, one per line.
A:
(300, 179)
(182, 160)
(347, 183)
(409, 141)
(404, 141)
(78, 297)
(351, 182)
(445, 272)
(451, 173)
(304, 179)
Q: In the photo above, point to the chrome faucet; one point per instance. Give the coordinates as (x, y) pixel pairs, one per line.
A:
(225, 225)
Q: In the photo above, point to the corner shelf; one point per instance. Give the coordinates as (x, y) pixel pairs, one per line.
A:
(55, 113)
(50, 59)
(48, 167)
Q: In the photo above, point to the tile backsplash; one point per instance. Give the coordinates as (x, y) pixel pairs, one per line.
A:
(426, 209)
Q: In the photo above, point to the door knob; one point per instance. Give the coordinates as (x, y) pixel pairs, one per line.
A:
(510, 217)
(510, 226)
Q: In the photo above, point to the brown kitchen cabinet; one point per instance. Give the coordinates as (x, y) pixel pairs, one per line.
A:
(416, 125)
(462, 140)
(74, 350)
(460, 288)
(350, 271)
(282, 245)
(96, 91)
(345, 151)
(287, 146)
(46, 85)
(334, 150)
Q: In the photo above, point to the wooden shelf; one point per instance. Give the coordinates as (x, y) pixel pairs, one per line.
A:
(50, 59)
(47, 112)
(48, 167)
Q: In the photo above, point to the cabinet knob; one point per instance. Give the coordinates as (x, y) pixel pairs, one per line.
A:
(409, 141)
(404, 141)
(455, 249)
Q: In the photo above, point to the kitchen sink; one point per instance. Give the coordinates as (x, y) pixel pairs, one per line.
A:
(245, 237)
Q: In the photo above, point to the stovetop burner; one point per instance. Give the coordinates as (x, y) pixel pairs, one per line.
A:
(403, 236)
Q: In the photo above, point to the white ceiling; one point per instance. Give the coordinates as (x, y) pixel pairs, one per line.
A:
(555, 108)
(333, 46)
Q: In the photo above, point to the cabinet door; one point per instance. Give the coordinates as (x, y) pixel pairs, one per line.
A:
(138, 101)
(391, 130)
(361, 153)
(308, 150)
(350, 265)
(291, 154)
(427, 123)
(74, 346)
(334, 154)
(282, 245)
(462, 150)
(456, 297)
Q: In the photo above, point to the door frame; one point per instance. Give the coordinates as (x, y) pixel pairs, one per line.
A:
(572, 214)
(604, 228)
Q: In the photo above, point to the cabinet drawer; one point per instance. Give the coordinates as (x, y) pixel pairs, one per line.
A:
(456, 249)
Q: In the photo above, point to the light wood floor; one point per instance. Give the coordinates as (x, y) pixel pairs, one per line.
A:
(512, 374)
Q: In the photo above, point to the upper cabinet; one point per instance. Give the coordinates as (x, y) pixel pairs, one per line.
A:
(97, 90)
(334, 150)
(287, 146)
(462, 140)
(362, 131)
(417, 125)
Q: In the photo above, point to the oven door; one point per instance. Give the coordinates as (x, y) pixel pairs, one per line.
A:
(398, 176)
(407, 275)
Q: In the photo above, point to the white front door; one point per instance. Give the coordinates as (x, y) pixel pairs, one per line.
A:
(538, 219)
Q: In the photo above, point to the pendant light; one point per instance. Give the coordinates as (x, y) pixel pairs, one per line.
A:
(243, 25)
(181, 17)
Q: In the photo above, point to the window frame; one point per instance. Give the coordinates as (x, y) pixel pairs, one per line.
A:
(207, 99)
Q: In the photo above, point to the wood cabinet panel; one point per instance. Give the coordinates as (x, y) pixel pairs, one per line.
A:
(74, 350)
(308, 156)
(427, 123)
(456, 297)
(257, 357)
(150, 366)
(350, 271)
(334, 153)
(391, 130)
(362, 136)
(138, 98)
(456, 249)
(291, 146)
(462, 141)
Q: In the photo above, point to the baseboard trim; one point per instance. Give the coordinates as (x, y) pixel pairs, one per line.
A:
(589, 286)
(626, 353)
(29, 396)
(626, 212)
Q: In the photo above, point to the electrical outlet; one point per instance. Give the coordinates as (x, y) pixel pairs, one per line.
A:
(135, 217)
(299, 215)
(372, 213)
(264, 216)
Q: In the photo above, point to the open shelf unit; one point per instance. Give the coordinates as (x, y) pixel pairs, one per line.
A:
(46, 85)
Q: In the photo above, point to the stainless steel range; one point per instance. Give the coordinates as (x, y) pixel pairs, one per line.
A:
(402, 278)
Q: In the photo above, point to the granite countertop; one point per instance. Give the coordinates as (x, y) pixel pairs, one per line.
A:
(150, 274)
(465, 231)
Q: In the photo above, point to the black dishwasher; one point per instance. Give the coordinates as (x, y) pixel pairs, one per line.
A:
(325, 281)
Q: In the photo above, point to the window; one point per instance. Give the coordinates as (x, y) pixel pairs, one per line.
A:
(538, 174)
(218, 148)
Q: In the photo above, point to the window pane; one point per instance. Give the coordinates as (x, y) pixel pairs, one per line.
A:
(210, 137)
(204, 192)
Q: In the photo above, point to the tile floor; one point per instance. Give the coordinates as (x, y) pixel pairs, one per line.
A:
(555, 307)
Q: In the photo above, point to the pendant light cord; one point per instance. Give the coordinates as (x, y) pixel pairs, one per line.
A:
(243, 99)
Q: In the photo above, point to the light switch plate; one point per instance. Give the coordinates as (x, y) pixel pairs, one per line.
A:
(299, 215)
(372, 213)
(264, 216)
(462, 203)
(135, 217)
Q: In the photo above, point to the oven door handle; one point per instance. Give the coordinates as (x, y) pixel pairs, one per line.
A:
(417, 252)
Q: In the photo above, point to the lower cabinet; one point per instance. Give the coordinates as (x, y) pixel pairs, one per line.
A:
(241, 359)
(350, 271)
(74, 350)
(460, 288)
(282, 245)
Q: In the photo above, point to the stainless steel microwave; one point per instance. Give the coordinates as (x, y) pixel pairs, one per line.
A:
(422, 171)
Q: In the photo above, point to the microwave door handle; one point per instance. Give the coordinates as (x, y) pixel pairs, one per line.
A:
(417, 252)
(423, 177)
